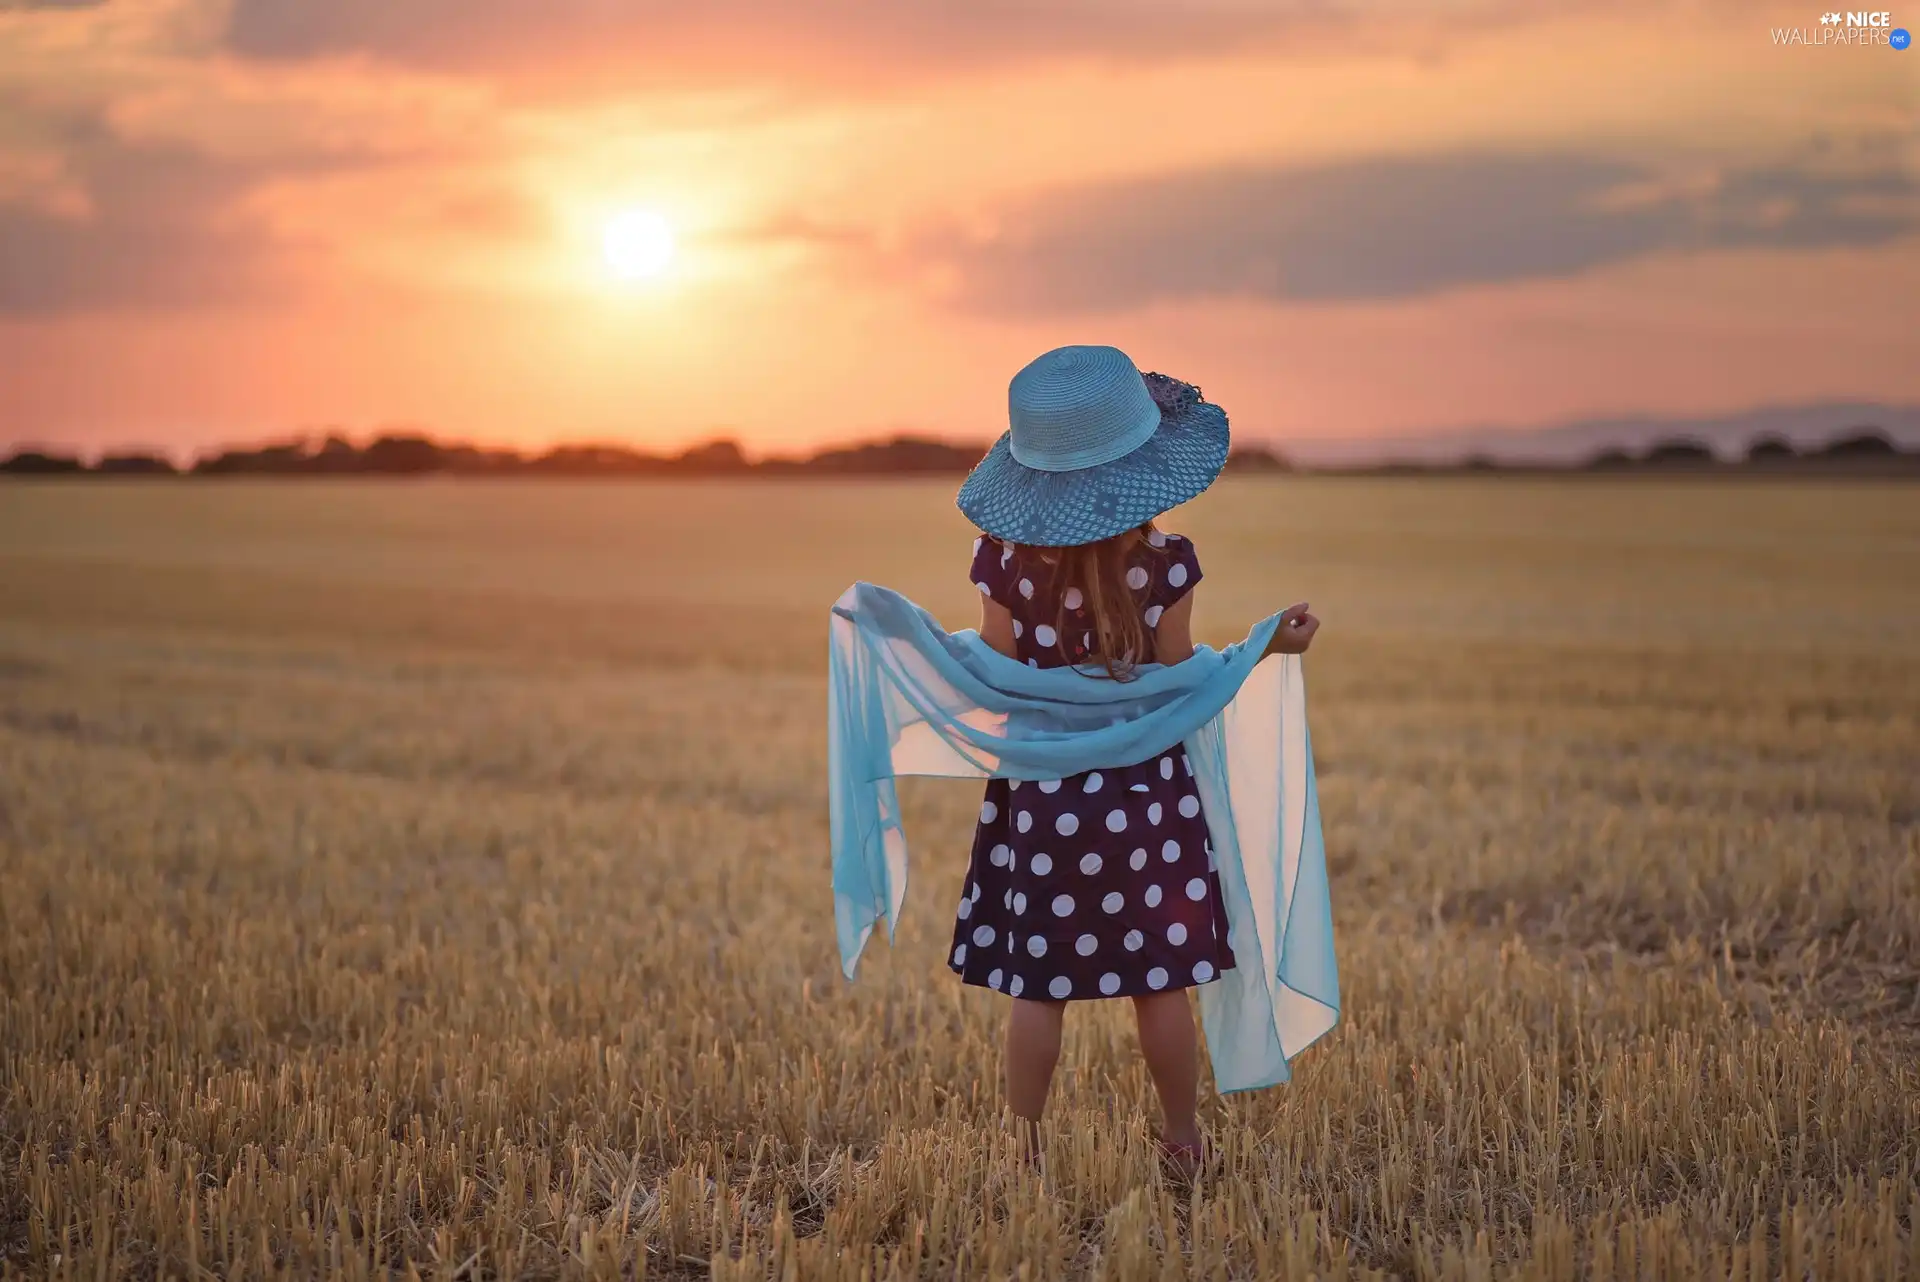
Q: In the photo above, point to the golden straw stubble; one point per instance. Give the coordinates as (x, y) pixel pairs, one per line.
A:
(433, 879)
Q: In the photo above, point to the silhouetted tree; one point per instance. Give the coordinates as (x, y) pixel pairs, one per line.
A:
(1678, 454)
(37, 463)
(1771, 449)
(135, 465)
(402, 455)
(1253, 458)
(714, 456)
(1869, 443)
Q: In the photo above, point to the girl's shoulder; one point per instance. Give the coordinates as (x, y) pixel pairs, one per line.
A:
(992, 569)
(1172, 567)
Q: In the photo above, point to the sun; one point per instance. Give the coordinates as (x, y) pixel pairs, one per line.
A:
(637, 244)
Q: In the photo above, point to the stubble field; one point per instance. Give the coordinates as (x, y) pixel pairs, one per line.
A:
(433, 878)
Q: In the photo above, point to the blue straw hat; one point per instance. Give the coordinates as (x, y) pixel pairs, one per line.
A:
(1094, 447)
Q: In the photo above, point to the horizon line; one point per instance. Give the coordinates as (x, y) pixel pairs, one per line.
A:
(755, 455)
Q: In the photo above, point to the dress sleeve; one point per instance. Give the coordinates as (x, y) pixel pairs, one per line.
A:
(990, 572)
(1177, 573)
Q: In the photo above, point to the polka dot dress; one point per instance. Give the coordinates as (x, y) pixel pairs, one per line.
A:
(1102, 884)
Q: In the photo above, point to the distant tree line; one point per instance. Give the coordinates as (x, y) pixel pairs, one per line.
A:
(1860, 451)
(1863, 448)
(407, 454)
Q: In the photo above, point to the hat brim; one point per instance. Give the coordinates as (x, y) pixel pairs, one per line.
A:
(1021, 504)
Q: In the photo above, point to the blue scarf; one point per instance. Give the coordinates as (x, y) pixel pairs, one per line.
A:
(907, 697)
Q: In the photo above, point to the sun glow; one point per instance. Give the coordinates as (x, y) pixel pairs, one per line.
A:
(637, 244)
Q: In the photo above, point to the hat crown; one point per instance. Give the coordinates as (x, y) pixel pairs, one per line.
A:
(1078, 407)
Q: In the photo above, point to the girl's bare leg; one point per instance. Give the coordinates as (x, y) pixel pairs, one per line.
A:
(1173, 1059)
(1033, 1048)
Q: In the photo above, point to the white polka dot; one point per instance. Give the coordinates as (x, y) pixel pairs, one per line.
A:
(1156, 538)
(983, 935)
(1153, 813)
(1090, 863)
(1009, 941)
(984, 589)
(993, 978)
(1170, 851)
(960, 955)
(1116, 821)
(1006, 554)
(965, 910)
(1006, 899)
(1153, 896)
(1019, 901)
(1019, 628)
(1166, 767)
(1189, 805)
(1114, 901)
(988, 812)
(1137, 578)
(1086, 640)
(1023, 821)
(1157, 978)
(975, 896)
(1074, 599)
(999, 855)
(1026, 588)
(1211, 866)
(1045, 635)
(1139, 787)
(1062, 905)
(1138, 859)
(1033, 663)
(1013, 989)
(1037, 945)
(1109, 984)
(1085, 945)
(1067, 825)
(976, 544)
(1202, 971)
(1042, 864)
(1134, 941)
(1013, 785)
(1153, 614)
(1049, 785)
(1197, 889)
(1177, 934)
(1060, 987)
(1013, 862)
(1176, 574)
(1093, 783)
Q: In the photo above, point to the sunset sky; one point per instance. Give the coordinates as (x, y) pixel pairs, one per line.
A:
(232, 220)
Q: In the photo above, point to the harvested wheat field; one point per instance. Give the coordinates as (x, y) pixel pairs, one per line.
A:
(431, 878)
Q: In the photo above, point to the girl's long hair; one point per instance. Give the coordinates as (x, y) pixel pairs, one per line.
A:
(1114, 610)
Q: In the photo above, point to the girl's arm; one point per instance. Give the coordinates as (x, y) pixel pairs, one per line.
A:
(996, 626)
(1173, 639)
(1173, 636)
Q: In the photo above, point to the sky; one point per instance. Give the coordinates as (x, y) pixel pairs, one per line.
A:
(239, 220)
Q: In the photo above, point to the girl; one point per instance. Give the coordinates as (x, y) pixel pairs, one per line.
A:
(1101, 885)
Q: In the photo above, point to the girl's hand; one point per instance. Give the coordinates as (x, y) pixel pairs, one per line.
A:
(1295, 632)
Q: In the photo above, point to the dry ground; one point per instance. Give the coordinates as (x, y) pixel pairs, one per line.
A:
(433, 877)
